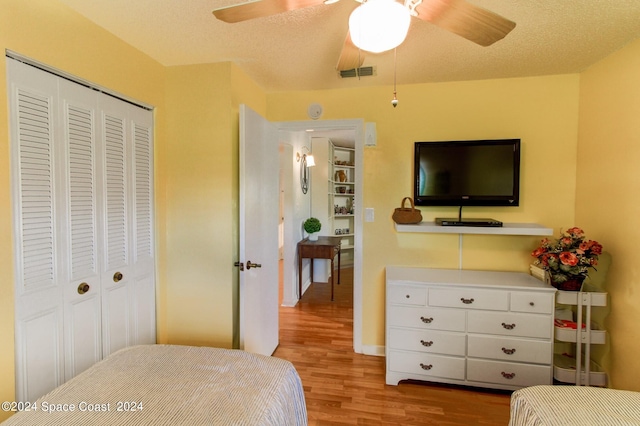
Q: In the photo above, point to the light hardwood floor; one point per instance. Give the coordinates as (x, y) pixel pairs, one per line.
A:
(345, 388)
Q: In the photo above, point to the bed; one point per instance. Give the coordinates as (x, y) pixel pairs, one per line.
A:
(574, 405)
(175, 385)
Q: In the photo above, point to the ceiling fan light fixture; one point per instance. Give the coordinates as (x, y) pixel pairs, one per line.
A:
(379, 25)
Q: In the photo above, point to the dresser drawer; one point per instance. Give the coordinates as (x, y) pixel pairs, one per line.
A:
(440, 342)
(508, 373)
(510, 324)
(407, 295)
(510, 349)
(426, 318)
(427, 364)
(535, 303)
(469, 298)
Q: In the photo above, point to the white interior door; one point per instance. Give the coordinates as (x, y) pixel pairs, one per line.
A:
(259, 218)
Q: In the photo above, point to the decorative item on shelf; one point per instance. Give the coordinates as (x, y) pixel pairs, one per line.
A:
(312, 226)
(568, 259)
(342, 210)
(407, 215)
(341, 176)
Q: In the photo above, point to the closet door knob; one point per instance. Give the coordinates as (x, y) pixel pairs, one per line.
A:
(83, 288)
(117, 277)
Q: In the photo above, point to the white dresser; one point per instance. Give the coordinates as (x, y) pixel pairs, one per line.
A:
(475, 328)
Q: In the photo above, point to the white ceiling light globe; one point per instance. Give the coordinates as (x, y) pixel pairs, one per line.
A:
(379, 25)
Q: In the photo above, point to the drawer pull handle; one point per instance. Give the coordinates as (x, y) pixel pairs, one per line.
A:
(466, 301)
(509, 351)
(408, 296)
(509, 326)
(426, 320)
(427, 344)
(532, 304)
(427, 367)
(508, 376)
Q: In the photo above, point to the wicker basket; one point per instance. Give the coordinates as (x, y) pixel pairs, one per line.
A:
(405, 215)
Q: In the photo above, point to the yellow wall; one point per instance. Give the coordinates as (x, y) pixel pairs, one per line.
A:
(199, 197)
(542, 111)
(607, 200)
(200, 290)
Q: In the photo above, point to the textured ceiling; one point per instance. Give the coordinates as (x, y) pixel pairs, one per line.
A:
(298, 50)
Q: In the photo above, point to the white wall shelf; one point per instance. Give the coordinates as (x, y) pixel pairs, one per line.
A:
(505, 229)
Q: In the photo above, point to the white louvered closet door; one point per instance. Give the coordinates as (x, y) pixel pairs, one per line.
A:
(143, 313)
(38, 289)
(78, 230)
(115, 226)
(128, 282)
(82, 168)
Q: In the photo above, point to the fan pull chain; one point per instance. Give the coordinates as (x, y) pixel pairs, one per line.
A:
(394, 101)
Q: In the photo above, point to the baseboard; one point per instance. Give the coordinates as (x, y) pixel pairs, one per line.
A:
(373, 350)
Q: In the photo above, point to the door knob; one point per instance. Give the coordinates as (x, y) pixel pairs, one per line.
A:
(117, 277)
(253, 265)
(83, 288)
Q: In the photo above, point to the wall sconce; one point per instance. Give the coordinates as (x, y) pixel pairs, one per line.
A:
(308, 158)
(305, 161)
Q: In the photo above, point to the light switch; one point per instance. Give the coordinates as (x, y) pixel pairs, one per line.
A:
(369, 214)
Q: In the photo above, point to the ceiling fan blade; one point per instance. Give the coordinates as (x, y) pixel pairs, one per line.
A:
(260, 8)
(351, 57)
(464, 19)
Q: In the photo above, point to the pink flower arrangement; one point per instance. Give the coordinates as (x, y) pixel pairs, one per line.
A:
(568, 257)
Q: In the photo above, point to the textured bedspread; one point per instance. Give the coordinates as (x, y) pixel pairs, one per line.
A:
(574, 405)
(175, 385)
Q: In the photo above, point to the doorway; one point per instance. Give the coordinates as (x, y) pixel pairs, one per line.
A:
(296, 207)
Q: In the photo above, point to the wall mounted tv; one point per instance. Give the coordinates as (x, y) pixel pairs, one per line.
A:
(467, 173)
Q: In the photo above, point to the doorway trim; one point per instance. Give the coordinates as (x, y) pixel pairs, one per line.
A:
(357, 126)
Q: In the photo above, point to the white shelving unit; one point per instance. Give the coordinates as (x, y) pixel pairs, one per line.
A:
(580, 369)
(342, 208)
(333, 194)
(505, 229)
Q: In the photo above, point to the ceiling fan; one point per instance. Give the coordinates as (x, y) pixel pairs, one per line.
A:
(457, 16)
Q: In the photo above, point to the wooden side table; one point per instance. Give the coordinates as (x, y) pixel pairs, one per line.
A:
(324, 248)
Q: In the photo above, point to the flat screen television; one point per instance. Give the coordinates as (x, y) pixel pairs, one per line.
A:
(467, 173)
